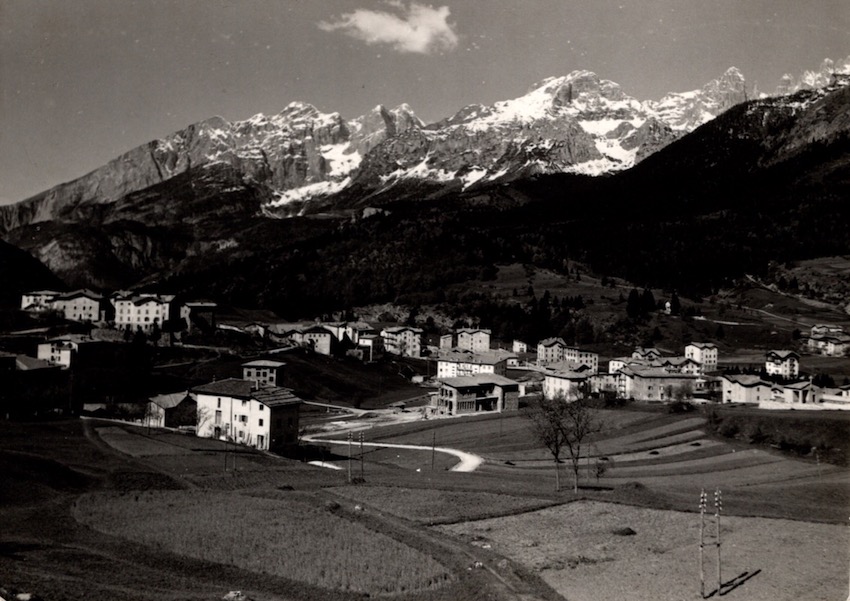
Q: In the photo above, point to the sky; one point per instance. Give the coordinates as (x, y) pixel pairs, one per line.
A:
(83, 81)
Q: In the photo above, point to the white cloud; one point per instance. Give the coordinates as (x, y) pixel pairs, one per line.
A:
(419, 28)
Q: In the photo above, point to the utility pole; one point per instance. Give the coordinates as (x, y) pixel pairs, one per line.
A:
(433, 449)
(361, 457)
(349, 457)
(702, 503)
(718, 508)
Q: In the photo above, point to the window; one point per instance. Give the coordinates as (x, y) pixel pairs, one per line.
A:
(262, 407)
(218, 403)
(261, 422)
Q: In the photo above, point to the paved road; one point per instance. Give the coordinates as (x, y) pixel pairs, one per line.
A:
(469, 462)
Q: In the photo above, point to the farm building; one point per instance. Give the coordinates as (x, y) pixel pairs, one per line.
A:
(240, 411)
(171, 411)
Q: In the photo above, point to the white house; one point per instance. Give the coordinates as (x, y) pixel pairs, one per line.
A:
(263, 372)
(655, 384)
(579, 357)
(550, 350)
(519, 346)
(452, 364)
(782, 363)
(239, 411)
(743, 388)
(704, 353)
(570, 385)
(58, 351)
(38, 301)
(79, 305)
(403, 340)
(476, 340)
(481, 392)
(141, 311)
(648, 354)
(679, 365)
(318, 338)
(555, 350)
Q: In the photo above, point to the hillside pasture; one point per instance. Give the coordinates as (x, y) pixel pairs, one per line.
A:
(435, 506)
(283, 537)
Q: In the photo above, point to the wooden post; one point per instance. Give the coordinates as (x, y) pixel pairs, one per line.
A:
(361, 456)
(433, 449)
(349, 457)
(718, 508)
(702, 502)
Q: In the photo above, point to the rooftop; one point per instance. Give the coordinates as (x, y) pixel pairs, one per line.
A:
(230, 387)
(264, 363)
(169, 401)
(477, 380)
(274, 396)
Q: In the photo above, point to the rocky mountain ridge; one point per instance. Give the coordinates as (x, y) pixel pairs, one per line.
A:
(577, 123)
(764, 181)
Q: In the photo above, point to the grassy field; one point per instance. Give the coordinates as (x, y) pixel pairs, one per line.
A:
(286, 536)
(431, 506)
(592, 551)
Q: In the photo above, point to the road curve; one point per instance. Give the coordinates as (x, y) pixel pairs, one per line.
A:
(469, 462)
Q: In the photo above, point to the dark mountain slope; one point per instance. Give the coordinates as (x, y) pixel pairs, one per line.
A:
(21, 272)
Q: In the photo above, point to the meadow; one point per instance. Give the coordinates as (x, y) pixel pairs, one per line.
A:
(284, 536)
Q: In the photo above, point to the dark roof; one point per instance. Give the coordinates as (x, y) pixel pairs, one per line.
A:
(264, 363)
(230, 387)
(783, 354)
(477, 380)
(26, 363)
(78, 293)
(274, 396)
(271, 396)
(706, 345)
(317, 329)
(169, 401)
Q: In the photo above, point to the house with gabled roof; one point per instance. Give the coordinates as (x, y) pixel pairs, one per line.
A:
(141, 311)
(477, 393)
(704, 353)
(654, 384)
(174, 410)
(476, 340)
(264, 372)
(456, 363)
(745, 388)
(265, 418)
(550, 350)
(403, 340)
(782, 363)
(565, 383)
(647, 353)
(79, 305)
(38, 301)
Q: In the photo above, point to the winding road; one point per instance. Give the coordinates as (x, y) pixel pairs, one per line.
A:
(469, 462)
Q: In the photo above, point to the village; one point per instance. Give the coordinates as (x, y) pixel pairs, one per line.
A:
(460, 372)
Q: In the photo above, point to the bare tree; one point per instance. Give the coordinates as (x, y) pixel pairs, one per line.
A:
(563, 425)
